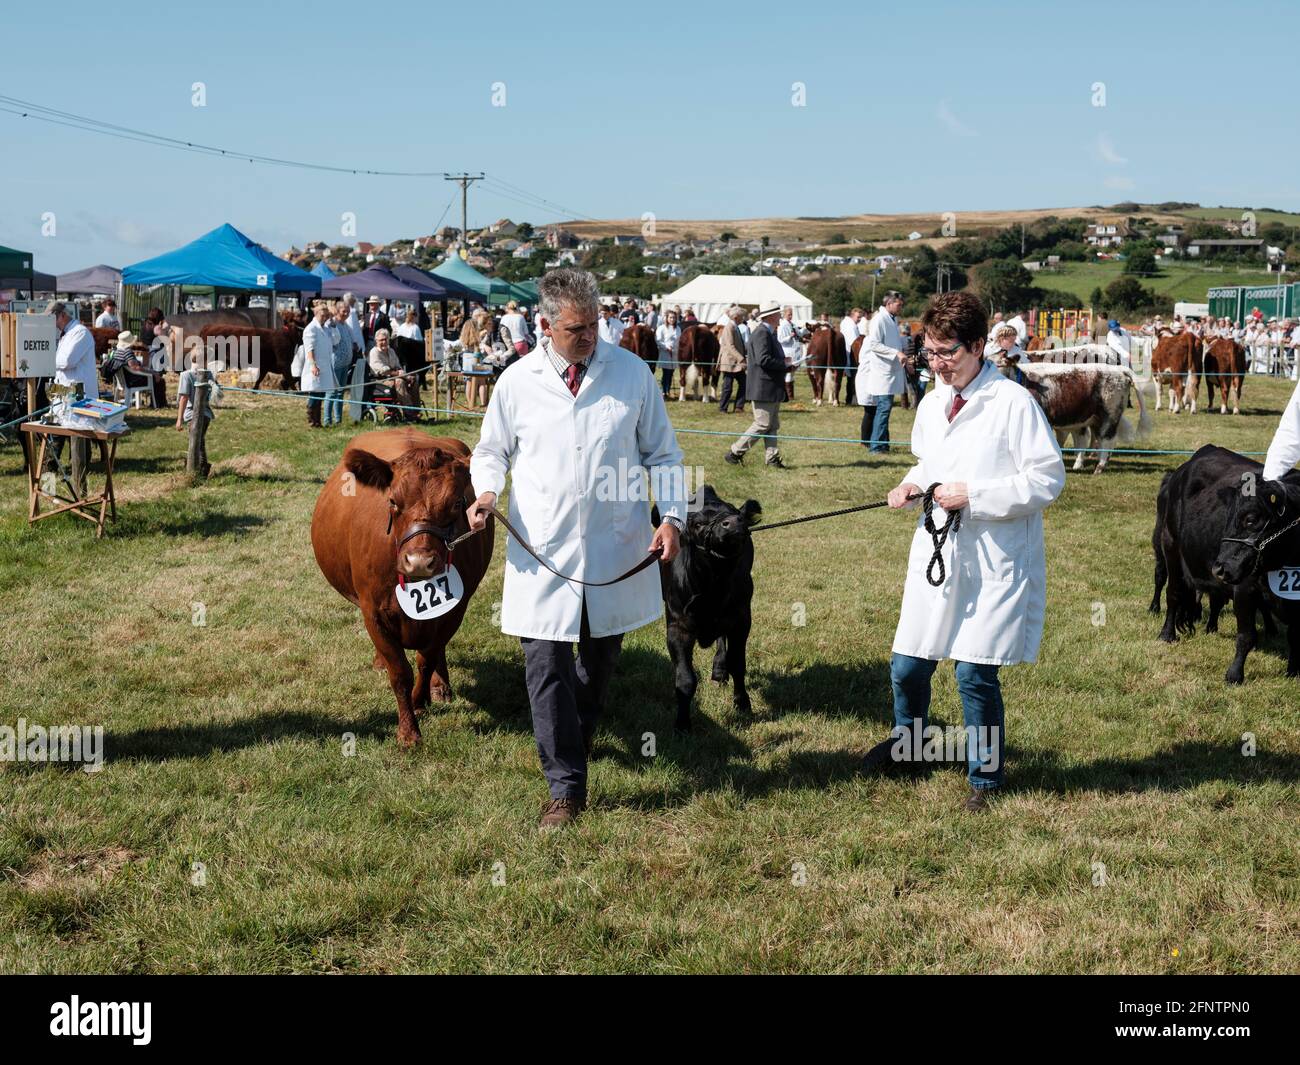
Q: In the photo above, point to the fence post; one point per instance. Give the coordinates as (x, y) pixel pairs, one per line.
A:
(196, 457)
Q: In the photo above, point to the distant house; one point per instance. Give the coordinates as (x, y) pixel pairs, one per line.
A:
(364, 247)
(565, 258)
(503, 227)
(560, 238)
(1106, 234)
(629, 239)
(509, 244)
(524, 251)
(447, 234)
(480, 262)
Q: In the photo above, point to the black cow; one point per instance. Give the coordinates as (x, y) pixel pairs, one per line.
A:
(1204, 508)
(707, 591)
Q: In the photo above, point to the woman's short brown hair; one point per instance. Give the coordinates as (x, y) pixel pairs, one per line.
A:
(957, 316)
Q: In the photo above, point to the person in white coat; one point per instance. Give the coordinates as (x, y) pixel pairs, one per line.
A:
(317, 376)
(1284, 450)
(881, 375)
(580, 427)
(74, 364)
(1119, 341)
(986, 445)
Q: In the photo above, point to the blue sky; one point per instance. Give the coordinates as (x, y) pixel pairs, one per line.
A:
(683, 110)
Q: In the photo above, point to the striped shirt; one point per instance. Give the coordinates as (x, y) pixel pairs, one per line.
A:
(561, 365)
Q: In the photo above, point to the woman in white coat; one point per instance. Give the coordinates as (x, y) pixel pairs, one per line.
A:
(317, 377)
(987, 444)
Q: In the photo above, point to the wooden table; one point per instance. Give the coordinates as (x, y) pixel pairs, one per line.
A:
(84, 508)
(487, 376)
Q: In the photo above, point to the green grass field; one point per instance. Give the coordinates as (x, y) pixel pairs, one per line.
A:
(1176, 280)
(753, 845)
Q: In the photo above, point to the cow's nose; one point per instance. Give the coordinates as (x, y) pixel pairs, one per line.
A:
(1219, 572)
(419, 564)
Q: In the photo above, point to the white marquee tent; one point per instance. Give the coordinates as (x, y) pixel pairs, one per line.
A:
(712, 294)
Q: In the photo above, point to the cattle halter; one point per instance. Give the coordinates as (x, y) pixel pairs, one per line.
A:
(1258, 545)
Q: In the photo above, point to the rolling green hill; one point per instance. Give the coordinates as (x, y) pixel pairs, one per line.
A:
(1176, 280)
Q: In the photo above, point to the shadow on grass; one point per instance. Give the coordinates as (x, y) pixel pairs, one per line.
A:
(200, 739)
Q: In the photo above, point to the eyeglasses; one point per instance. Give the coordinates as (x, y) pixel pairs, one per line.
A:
(947, 355)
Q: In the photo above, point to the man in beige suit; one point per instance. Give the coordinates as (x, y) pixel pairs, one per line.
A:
(731, 362)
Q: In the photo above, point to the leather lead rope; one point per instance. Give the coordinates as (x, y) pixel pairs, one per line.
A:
(651, 557)
(938, 536)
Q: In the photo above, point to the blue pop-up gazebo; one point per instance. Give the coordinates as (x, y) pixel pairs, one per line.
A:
(224, 259)
(322, 271)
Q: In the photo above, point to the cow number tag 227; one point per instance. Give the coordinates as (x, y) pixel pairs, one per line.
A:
(423, 600)
(1285, 582)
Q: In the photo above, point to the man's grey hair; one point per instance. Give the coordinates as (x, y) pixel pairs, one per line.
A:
(567, 286)
(57, 307)
(349, 299)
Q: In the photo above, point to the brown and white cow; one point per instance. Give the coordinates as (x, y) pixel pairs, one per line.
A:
(697, 362)
(1084, 399)
(386, 515)
(1176, 361)
(826, 355)
(1224, 364)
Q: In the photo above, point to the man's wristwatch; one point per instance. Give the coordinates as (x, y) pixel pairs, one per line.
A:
(676, 523)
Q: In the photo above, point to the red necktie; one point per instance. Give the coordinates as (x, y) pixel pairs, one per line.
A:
(571, 377)
(958, 402)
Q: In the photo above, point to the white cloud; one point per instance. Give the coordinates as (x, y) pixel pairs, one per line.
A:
(1107, 153)
(954, 124)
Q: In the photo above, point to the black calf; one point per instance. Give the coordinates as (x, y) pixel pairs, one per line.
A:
(708, 590)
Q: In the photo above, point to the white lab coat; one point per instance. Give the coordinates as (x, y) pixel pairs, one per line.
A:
(318, 344)
(879, 371)
(572, 461)
(611, 330)
(788, 337)
(1284, 451)
(74, 360)
(990, 607)
(849, 331)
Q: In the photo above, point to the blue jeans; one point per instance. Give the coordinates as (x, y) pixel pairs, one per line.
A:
(333, 411)
(981, 707)
(878, 408)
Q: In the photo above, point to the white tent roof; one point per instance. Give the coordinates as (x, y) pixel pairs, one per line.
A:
(712, 294)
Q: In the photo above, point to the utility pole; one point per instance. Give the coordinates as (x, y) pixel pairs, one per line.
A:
(464, 181)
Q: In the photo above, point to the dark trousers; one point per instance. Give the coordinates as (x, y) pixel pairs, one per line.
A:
(567, 695)
(668, 381)
(724, 396)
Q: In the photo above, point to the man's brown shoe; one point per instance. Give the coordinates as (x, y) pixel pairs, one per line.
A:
(977, 802)
(557, 813)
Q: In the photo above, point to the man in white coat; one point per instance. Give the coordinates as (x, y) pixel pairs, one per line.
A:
(1284, 451)
(880, 373)
(74, 364)
(580, 427)
(986, 445)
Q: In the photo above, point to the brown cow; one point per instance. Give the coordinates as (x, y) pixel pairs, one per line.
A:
(384, 516)
(1224, 362)
(826, 352)
(697, 362)
(275, 349)
(1175, 360)
(640, 339)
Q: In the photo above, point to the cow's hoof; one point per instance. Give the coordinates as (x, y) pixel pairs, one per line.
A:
(1167, 637)
(683, 727)
(720, 674)
(1235, 677)
(743, 708)
(439, 694)
(408, 738)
